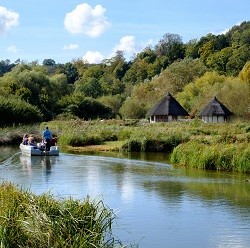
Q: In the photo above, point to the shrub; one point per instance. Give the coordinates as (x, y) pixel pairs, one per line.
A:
(16, 111)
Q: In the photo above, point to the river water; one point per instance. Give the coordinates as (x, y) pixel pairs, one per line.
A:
(156, 204)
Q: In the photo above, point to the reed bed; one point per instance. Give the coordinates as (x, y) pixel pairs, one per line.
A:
(27, 220)
(221, 156)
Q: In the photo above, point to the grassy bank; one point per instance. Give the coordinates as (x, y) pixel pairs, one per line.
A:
(27, 220)
(216, 146)
(221, 156)
(224, 146)
(14, 134)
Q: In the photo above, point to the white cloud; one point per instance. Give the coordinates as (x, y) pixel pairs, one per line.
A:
(93, 57)
(126, 44)
(86, 20)
(12, 49)
(8, 19)
(70, 47)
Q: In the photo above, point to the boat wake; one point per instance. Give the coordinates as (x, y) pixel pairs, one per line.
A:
(9, 160)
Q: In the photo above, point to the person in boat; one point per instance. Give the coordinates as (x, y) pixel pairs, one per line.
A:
(53, 141)
(25, 139)
(47, 137)
(31, 141)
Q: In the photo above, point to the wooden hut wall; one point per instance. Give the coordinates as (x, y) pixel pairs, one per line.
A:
(213, 119)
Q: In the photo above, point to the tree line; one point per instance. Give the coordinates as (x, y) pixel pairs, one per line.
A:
(116, 88)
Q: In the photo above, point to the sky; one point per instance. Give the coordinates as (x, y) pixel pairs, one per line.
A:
(66, 30)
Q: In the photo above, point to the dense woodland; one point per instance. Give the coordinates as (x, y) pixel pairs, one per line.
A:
(193, 72)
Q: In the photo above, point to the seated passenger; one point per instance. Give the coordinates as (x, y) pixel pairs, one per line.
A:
(25, 139)
(53, 141)
(31, 141)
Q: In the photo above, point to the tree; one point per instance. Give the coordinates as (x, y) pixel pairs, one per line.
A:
(90, 87)
(238, 59)
(70, 71)
(5, 66)
(49, 62)
(85, 107)
(191, 49)
(171, 47)
(219, 60)
(16, 111)
(114, 102)
(32, 86)
(245, 73)
(132, 109)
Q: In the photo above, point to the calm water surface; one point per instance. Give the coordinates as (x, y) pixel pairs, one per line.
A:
(156, 204)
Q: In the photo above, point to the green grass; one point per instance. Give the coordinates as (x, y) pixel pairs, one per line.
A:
(27, 220)
(222, 157)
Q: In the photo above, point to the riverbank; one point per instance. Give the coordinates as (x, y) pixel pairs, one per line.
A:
(214, 146)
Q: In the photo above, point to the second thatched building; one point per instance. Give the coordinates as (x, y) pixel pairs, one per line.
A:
(215, 111)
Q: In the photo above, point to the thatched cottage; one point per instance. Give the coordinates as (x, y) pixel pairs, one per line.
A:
(215, 111)
(168, 109)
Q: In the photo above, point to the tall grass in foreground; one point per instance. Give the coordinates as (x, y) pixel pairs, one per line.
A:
(223, 157)
(27, 220)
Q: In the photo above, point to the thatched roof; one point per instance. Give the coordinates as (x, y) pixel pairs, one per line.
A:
(168, 106)
(215, 108)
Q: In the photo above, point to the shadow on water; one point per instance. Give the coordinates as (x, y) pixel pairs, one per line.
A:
(33, 163)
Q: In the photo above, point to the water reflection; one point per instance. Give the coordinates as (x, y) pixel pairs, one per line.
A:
(33, 163)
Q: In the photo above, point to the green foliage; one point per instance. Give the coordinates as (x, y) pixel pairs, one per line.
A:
(114, 102)
(27, 220)
(131, 88)
(170, 46)
(150, 144)
(84, 107)
(224, 157)
(15, 111)
(230, 91)
(132, 109)
(245, 73)
(5, 66)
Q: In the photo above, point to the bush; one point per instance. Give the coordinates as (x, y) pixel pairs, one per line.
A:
(15, 111)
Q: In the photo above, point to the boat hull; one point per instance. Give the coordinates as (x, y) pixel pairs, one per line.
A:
(36, 151)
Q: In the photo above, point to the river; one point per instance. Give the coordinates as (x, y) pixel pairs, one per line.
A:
(156, 204)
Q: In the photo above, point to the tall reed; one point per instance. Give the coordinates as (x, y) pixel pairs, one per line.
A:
(223, 157)
(27, 220)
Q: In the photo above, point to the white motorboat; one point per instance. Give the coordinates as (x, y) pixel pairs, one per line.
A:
(38, 150)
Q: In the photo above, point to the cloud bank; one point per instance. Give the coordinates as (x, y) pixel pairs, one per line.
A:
(86, 20)
(8, 19)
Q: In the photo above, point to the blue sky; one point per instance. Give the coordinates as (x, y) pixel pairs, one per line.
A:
(64, 30)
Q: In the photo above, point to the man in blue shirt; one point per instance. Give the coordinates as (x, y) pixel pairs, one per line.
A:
(47, 136)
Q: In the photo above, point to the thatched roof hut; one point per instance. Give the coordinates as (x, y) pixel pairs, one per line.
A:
(215, 111)
(168, 109)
